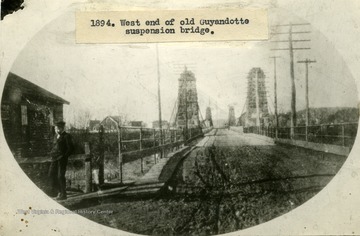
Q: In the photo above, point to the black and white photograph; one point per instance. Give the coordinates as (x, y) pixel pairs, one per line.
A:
(178, 138)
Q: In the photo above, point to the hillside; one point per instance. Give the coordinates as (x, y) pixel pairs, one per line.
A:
(323, 115)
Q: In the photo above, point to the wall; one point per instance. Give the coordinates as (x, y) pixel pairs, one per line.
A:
(35, 138)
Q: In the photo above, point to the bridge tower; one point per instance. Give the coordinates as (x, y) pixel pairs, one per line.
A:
(257, 111)
(187, 115)
(208, 118)
(232, 119)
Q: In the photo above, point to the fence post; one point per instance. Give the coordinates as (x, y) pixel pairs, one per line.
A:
(171, 135)
(164, 136)
(154, 137)
(141, 159)
(88, 173)
(343, 134)
(175, 138)
(321, 134)
(160, 144)
(140, 139)
(101, 158)
(120, 155)
(163, 142)
(306, 133)
(160, 136)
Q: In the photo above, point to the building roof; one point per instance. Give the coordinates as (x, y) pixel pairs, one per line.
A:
(29, 89)
(93, 124)
(135, 123)
(116, 119)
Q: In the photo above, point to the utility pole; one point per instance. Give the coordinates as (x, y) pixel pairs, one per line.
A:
(159, 98)
(307, 116)
(275, 100)
(291, 50)
(293, 88)
(186, 107)
(257, 98)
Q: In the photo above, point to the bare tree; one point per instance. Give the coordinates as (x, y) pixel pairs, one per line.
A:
(79, 118)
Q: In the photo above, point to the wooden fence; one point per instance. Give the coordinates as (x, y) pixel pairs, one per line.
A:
(342, 134)
(106, 151)
(126, 144)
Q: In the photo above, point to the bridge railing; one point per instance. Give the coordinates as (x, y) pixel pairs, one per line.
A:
(125, 145)
(342, 134)
(111, 155)
(136, 138)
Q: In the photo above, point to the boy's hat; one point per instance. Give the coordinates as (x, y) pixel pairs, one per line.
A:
(60, 124)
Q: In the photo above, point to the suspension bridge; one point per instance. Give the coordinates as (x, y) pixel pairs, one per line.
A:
(160, 153)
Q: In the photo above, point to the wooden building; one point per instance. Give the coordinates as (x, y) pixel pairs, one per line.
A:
(94, 126)
(28, 114)
(111, 123)
(164, 124)
(136, 123)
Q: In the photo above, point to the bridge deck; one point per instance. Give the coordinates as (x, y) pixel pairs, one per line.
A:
(153, 175)
(228, 170)
(223, 137)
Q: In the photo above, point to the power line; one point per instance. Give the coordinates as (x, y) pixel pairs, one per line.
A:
(307, 62)
(275, 98)
(159, 97)
(291, 50)
(172, 113)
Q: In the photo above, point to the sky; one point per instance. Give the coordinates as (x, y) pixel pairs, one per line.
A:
(121, 79)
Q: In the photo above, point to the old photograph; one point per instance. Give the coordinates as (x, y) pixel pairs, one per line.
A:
(181, 138)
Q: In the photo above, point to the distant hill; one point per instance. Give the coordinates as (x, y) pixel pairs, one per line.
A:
(323, 115)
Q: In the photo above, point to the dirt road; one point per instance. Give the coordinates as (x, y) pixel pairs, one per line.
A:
(230, 181)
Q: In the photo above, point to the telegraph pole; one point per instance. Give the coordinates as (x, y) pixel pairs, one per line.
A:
(257, 98)
(275, 99)
(186, 107)
(307, 62)
(293, 88)
(291, 50)
(159, 97)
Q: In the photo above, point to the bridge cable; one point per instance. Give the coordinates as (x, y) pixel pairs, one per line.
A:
(173, 111)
